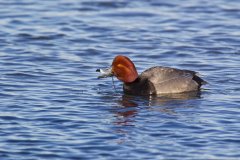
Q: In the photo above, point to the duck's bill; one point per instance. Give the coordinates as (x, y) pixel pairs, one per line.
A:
(105, 72)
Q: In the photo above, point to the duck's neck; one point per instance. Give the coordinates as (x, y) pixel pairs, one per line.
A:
(136, 81)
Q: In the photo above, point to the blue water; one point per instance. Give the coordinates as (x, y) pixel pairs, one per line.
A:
(54, 107)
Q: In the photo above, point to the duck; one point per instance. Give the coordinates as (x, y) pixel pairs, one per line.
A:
(153, 81)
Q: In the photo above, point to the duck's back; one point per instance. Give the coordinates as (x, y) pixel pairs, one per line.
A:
(171, 80)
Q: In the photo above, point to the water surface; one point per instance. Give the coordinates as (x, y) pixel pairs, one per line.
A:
(54, 107)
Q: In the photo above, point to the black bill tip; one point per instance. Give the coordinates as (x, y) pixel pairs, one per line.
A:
(98, 70)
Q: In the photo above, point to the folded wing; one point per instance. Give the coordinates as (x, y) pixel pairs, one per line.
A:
(171, 80)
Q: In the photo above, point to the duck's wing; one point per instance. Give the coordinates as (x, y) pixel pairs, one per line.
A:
(161, 74)
(171, 80)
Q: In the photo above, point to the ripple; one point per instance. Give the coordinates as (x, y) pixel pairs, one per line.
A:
(31, 37)
(54, 107)
(106, 4)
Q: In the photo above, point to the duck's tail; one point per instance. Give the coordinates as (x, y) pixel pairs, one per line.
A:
(199, 80)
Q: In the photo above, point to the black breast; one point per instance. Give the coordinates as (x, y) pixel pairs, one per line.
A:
(141, 86)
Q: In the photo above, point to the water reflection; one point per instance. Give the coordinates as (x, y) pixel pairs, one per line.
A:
(129, 106)
(156, 100)
(159, 100)
(127, 109)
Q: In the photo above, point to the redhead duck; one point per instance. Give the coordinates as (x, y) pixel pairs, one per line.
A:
(155, 80)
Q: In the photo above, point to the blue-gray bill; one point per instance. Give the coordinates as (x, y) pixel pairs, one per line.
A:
(105, 72)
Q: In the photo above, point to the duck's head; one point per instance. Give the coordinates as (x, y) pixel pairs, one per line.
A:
(123, 68)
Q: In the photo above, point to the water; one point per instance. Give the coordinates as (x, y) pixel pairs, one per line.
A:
(53, 106)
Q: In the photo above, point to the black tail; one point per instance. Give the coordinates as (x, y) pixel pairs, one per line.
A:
(199, 80)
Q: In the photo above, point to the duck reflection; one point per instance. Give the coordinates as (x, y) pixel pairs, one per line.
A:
(159, 100)
(128, 105)
(126, 112)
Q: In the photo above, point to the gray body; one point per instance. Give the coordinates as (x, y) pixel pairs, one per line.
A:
(164, 80)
